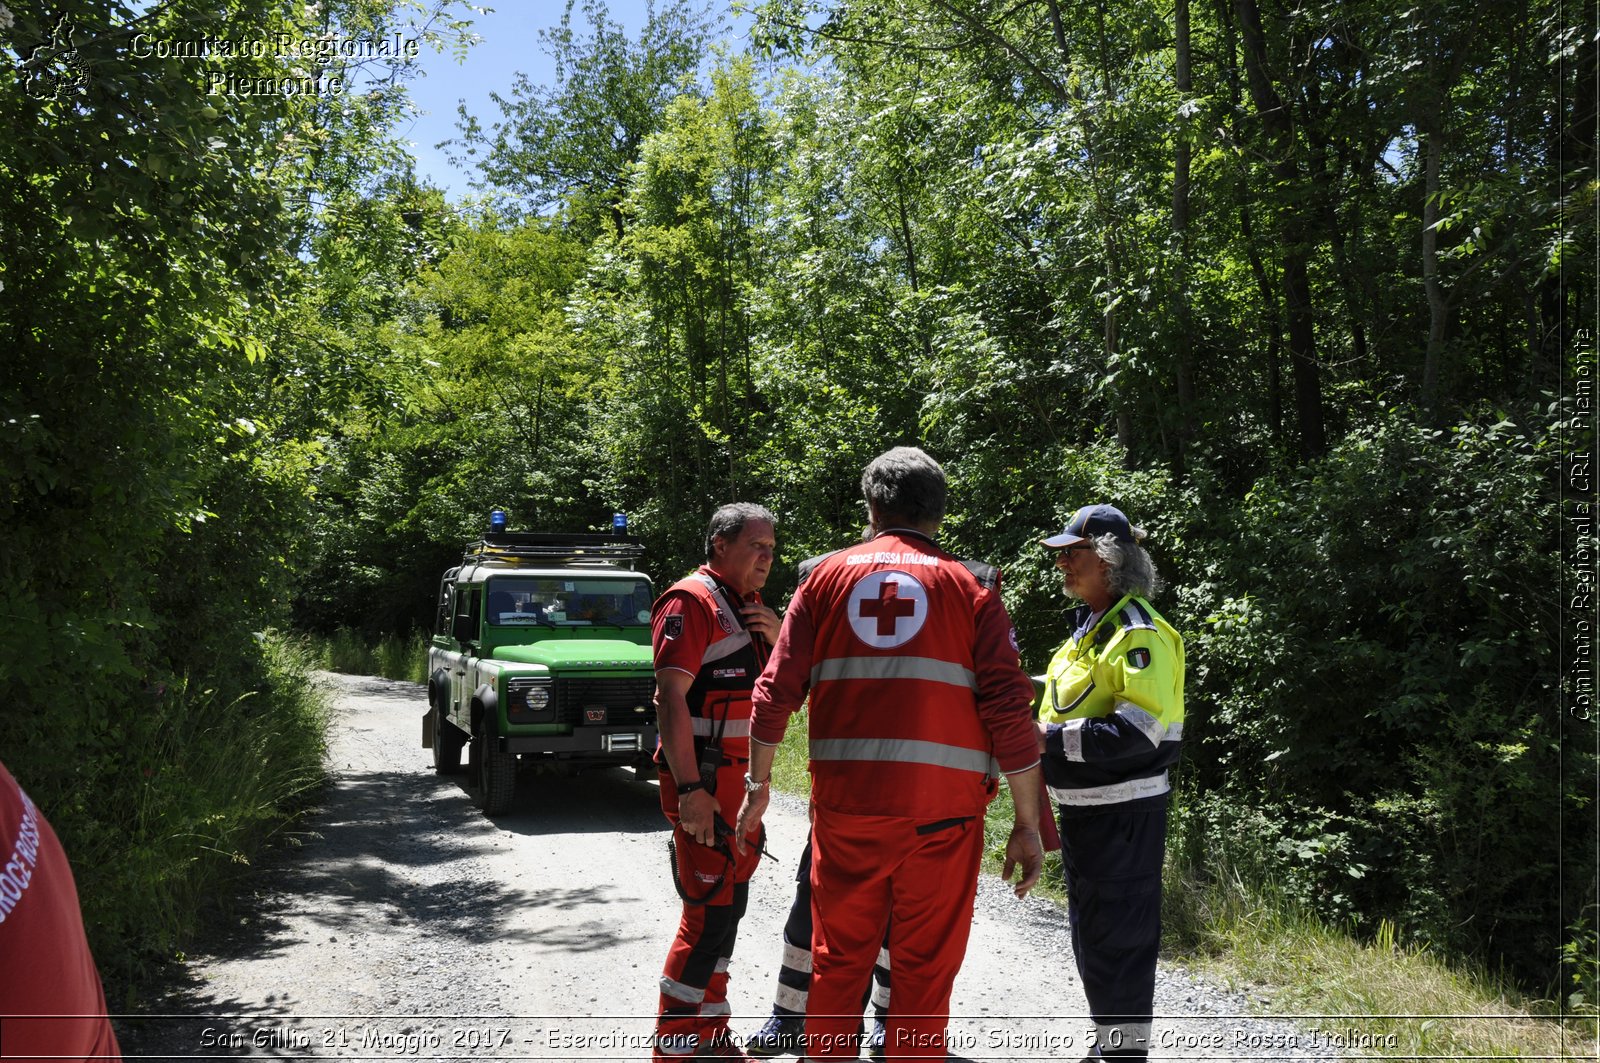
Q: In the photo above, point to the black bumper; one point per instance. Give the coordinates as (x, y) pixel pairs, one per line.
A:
(587, 742)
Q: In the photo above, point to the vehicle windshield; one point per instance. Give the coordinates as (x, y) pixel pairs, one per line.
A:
(521, 601)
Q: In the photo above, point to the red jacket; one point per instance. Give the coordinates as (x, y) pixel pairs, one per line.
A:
(45, 965)
(697, 628)
(918, 701)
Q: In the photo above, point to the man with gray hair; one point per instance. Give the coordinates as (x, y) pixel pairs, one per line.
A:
(710, 634)
(1111, 720)
(917, 704)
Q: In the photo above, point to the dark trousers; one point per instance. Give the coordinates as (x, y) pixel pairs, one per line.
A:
(794, 975)
(1111, 859)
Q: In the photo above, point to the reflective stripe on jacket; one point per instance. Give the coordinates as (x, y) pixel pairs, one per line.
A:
(719, 697)
(1114, 698)
(895, 728)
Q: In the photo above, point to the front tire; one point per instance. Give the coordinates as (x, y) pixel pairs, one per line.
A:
(495, 777)
(448, 740)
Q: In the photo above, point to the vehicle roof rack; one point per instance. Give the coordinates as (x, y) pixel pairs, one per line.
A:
(554, 546)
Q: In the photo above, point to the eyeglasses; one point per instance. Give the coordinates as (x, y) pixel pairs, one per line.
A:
(1067, 551)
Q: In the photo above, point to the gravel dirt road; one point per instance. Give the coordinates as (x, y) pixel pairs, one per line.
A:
(410, 926)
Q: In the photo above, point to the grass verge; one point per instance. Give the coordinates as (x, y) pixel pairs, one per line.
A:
(164, 829)
(1383, 996)
(392, 656)
(1253, 937)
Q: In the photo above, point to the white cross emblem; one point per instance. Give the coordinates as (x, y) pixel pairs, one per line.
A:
(887, 609)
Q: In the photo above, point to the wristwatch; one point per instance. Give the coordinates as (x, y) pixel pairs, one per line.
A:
(751, 786)
(690, 787)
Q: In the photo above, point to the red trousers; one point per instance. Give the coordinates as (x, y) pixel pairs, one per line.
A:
(693, 1008)
(914, 877)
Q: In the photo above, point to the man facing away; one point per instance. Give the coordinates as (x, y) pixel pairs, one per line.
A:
(917, 702)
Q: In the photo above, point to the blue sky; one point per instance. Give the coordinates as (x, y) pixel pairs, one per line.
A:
(510, 43)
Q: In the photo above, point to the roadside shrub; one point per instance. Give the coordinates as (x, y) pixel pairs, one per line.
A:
(390, 656)
(196, 783)
(1373, 703)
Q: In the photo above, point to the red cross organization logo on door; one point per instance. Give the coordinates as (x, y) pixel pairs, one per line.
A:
(887, 608)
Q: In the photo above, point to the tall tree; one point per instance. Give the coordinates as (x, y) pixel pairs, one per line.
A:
(571, 142)
(1296, 229)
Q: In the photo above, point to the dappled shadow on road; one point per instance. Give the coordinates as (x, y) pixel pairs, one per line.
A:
(371, 686)
(404, 850)
(593, 801)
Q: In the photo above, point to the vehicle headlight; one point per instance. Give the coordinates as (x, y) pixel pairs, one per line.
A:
(528, 695)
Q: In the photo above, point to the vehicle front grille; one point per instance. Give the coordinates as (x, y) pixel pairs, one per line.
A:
(619, 697)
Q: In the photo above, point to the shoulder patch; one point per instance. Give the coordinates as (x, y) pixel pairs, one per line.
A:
(672, 626)
(1138, 658)
(1134, 617)
(987, 575)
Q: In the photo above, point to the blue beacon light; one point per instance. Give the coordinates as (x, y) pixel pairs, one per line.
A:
(497, 521)
(619, 524)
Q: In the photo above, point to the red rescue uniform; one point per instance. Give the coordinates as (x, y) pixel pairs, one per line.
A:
(45, 965)
(918, 703)
(696, 628)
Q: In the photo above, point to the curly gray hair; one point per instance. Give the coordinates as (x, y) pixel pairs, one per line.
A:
(1129, 568)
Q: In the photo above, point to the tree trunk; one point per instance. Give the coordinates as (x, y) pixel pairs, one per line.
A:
(1182, 341)
(913, 275)
(1258, 269)
(1294, 230)
(1438, 307)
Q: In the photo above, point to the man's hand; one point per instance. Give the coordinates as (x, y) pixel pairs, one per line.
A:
(697, 815)
(761, 620)
(1025, 854)
(1043, 730)
(750, 813)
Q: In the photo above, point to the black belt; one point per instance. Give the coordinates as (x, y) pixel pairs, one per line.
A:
(725, 762)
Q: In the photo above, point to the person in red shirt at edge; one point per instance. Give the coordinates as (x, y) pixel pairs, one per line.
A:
(711, 634)
(45, 965)
(918, 702)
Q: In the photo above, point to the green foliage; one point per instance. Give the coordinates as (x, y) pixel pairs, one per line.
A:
(1373, 709)
(160, 826)
(572, 143)
(243, 341)
(392, 656)
(1580, 962)
(1242, 927)
(167, 376)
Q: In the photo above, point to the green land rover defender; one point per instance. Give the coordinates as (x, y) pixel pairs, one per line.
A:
(541, 655)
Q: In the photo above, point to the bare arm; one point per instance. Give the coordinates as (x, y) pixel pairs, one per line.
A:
(1024, 851)
(755, 803)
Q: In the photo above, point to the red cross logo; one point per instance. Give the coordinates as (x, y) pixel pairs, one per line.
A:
(888, 607)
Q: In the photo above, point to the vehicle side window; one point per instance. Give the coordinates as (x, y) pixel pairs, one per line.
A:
(441, 622)
(468, 601)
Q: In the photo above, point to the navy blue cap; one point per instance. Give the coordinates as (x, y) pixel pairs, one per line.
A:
(1091, 522)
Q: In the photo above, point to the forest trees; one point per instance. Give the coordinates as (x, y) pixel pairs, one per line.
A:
(1229, 264)
(570, 145)
(1354, 189)
(163, 386)
(1292, 284)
